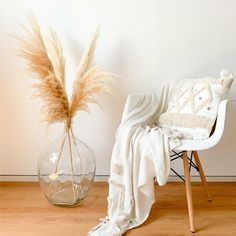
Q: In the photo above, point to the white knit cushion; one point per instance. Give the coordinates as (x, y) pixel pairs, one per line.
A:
(192, 110)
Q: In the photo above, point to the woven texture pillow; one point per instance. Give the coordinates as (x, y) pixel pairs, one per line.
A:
(192, 110)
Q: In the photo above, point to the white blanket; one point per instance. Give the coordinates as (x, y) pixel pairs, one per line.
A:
(141, 153)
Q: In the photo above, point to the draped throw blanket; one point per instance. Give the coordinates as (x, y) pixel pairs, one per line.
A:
(140, 153)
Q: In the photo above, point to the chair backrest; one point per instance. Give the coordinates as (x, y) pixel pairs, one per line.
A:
(218, 128)
(216, 135)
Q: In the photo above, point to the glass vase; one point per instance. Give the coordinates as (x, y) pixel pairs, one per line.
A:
(66, 170)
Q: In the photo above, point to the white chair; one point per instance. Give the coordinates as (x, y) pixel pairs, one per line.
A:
(197, 145)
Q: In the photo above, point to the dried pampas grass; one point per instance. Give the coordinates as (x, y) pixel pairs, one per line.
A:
(47, 65)
(89, 81)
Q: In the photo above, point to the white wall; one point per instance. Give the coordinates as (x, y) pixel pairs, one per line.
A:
(149, 42)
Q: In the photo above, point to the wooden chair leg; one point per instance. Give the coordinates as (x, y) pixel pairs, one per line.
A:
(201, 172)
(188, 192)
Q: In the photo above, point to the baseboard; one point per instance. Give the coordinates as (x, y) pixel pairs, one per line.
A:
(209, 178)
(173, 178)
(104, 178)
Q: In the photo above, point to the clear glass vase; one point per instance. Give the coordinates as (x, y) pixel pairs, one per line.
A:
(66, 170)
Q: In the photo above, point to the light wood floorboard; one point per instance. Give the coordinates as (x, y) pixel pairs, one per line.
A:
(25, 212)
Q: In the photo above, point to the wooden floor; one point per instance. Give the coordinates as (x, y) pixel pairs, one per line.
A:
(25, 212)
